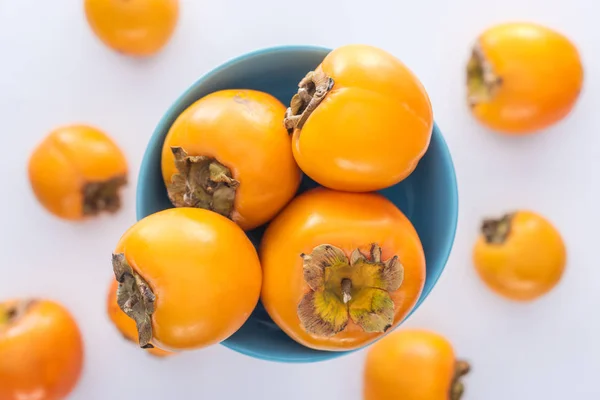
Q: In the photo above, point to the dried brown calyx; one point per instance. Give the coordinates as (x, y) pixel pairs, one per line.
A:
(343, 289)
(12, 311)
(312, 89)
(457, 389)
(135, 298)
(496, 231)
(202, 182)
(102, 196)
(482, 82)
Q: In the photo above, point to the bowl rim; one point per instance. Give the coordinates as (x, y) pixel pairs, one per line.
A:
(164, 125)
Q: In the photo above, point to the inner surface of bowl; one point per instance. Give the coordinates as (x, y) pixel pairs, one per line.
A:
(428, 196)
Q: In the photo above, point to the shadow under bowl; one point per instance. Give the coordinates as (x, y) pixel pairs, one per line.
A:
(428, 197)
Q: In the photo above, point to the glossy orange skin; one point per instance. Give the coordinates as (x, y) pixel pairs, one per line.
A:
(204, 272)
(123, 323)
(242, 129)
(67, 159)
(542, 77)
(410, 364)
(134, 27)
(529, 264)
(371, 129)
(42, 354)
(348, 221)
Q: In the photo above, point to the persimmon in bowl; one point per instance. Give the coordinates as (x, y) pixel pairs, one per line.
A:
(427, 197)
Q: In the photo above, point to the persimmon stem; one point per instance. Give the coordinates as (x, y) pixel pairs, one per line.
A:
(457, 389)
(135, 298)
(102, 196)
(346, 289)
(496, 231)
(312, 89)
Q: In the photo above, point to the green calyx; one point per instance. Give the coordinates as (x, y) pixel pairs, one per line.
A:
(343, 289)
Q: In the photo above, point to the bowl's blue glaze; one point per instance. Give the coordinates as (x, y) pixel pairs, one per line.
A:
(428, 196)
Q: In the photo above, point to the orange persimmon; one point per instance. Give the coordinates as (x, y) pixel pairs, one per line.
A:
(134, 27)
(413, 364)
(520, 256)
(229, 152)
(340, 268)
(41, 350)
(189, 277)
(523, 77)
(361, 121)
(124, 324)
(77, 172)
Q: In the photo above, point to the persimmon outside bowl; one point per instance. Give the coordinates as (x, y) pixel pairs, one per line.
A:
(428, 196)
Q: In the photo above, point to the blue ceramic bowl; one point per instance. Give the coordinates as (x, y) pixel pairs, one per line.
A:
(428, 196)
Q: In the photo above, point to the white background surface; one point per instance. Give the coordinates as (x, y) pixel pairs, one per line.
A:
(53, 71)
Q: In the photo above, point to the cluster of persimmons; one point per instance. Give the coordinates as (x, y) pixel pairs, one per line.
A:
(339, 265)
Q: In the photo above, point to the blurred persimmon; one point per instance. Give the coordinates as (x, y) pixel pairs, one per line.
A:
(134, 27)
(520, 256)
(413, 364)
(77, 172)
(523, 77)
(41, 350)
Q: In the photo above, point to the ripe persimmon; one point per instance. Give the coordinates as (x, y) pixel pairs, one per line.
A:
(520, 256)
(413, 364)
(134, 27)
(42, 350)
(340, 268)
(228, 152)
(124, 324)
(523, 77)
(77, 172)
(188, 277)
(361, 121)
